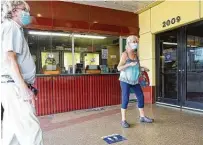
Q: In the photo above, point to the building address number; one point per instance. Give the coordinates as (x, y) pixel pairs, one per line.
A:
(171, 21)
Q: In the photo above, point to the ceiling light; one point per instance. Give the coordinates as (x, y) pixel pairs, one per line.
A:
(46, 33)
(89, 36)
(169, 43)
(191, 46)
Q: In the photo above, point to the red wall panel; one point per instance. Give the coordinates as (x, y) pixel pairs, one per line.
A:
(41, 7)
(70, 11)
(44, 103)
(84, 92)
(149, 94)
(67, 93)
(66, 16)
(113, 17)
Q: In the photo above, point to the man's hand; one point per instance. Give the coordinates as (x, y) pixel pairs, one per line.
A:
(31, 100)
(27, 94)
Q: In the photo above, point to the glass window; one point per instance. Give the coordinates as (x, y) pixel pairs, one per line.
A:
(92, 53)
(48, 49)
(99, 54)
(68, 61)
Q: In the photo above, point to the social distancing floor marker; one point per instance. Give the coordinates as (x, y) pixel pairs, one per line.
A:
(114, 138)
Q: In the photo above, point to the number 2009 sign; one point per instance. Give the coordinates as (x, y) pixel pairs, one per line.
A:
(172, 21)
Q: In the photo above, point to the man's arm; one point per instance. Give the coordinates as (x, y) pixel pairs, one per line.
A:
(17, 77)
(12, 58)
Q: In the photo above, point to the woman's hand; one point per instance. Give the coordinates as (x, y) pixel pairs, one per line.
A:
(132, 64)
(145, 69)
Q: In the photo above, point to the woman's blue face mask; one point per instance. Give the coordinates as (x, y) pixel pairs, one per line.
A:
(133, 46)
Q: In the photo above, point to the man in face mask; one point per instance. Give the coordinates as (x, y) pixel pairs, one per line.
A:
(20, 124)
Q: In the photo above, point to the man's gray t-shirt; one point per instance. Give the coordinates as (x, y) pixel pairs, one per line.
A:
(12, 39)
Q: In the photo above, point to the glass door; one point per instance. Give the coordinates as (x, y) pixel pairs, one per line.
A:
(168, 77)
(179, 66)
(193, 88)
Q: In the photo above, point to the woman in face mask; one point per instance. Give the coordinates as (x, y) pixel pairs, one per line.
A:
(129, 79)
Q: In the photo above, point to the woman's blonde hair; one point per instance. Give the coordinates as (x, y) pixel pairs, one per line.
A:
(130, 39)
(7, 6)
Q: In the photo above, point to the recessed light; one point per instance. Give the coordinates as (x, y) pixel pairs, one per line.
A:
(172, 36)
(39, 15)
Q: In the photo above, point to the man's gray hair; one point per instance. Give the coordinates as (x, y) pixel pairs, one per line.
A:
(7, 6)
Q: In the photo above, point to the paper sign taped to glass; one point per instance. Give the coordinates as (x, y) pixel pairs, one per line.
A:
(104, 53)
